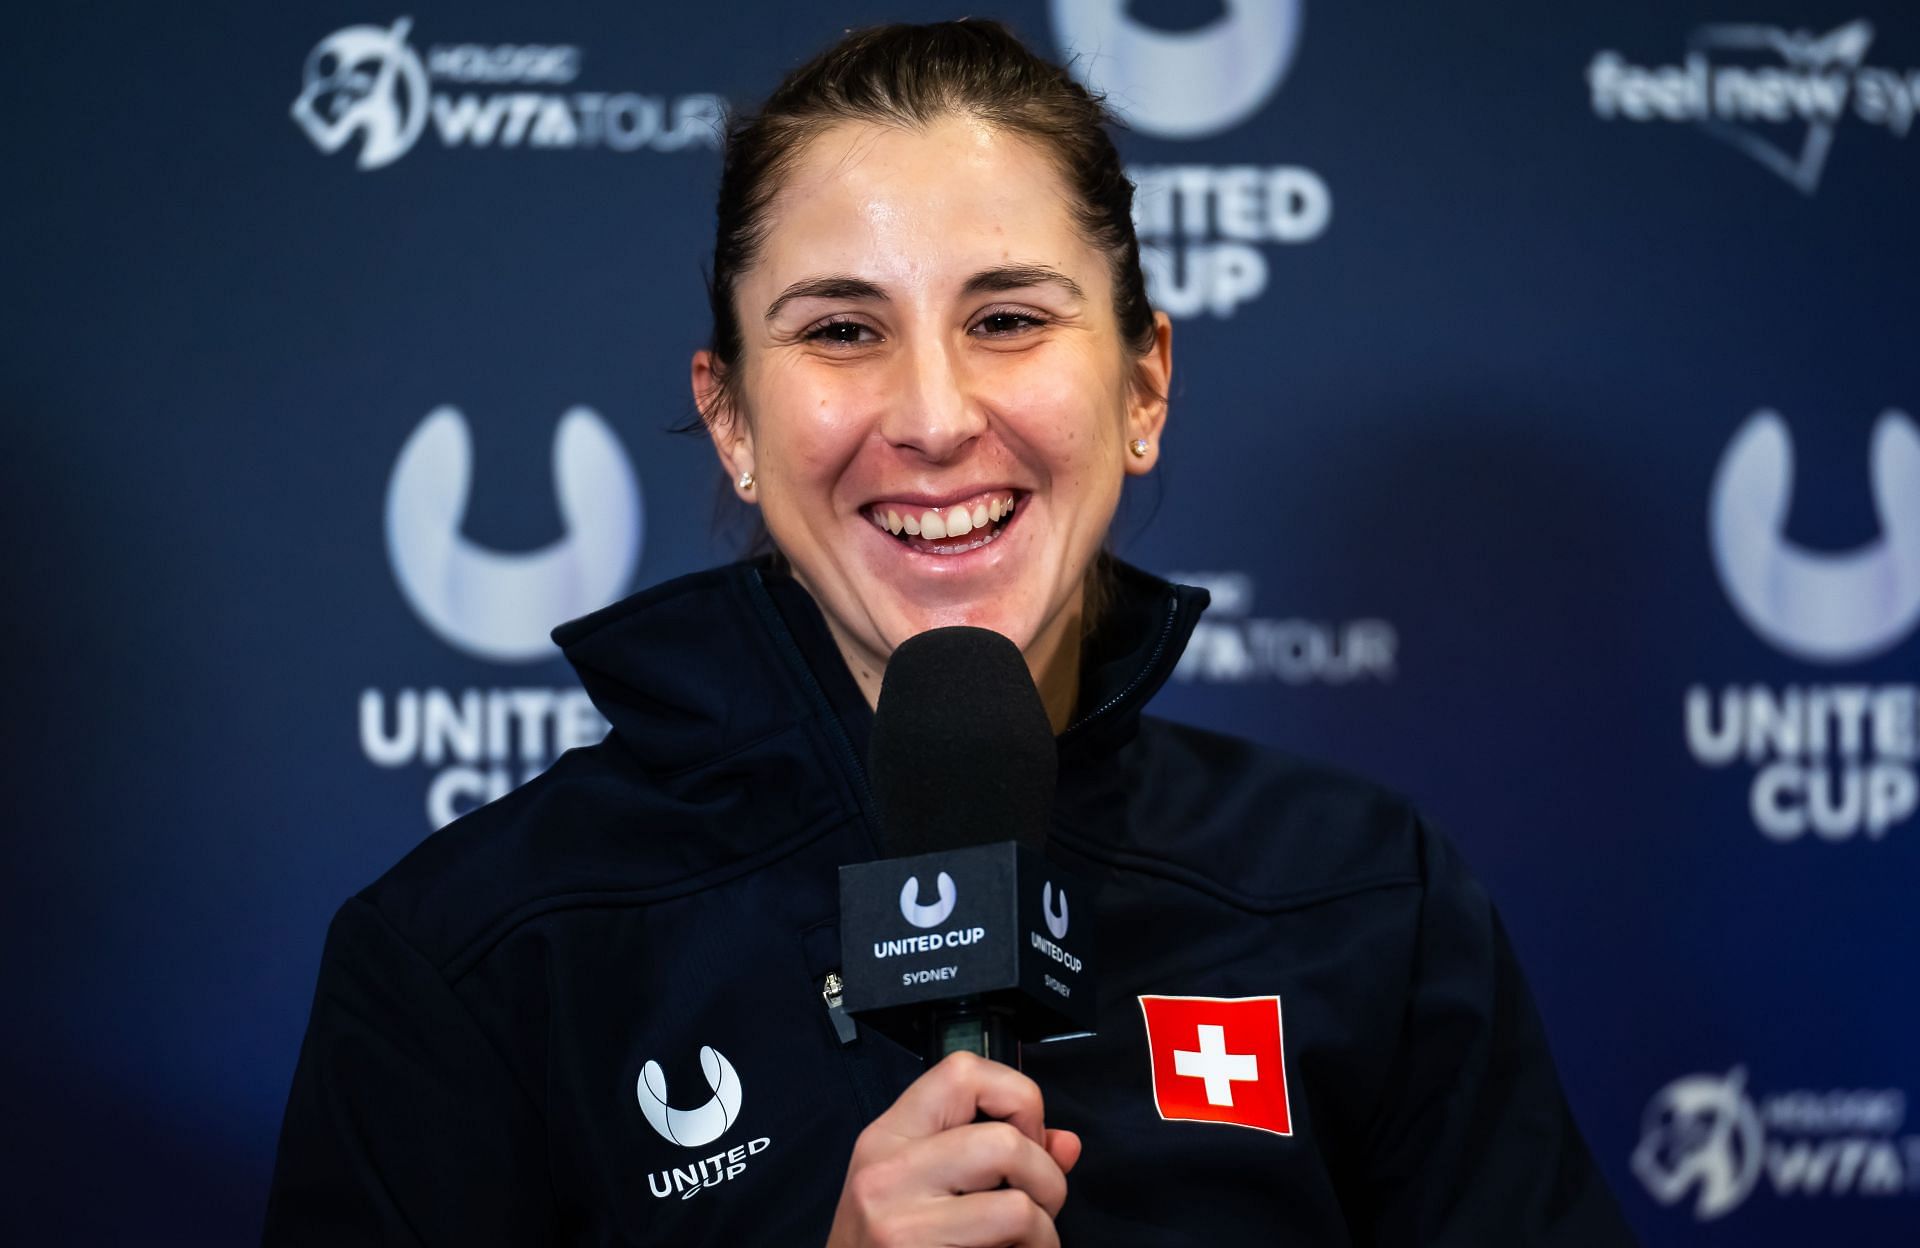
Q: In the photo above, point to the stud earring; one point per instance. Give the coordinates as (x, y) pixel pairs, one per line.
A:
(746, 480)
(1139, 448)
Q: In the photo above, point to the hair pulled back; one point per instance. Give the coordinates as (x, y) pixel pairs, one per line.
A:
(913, 76)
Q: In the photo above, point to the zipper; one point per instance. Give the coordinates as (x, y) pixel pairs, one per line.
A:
(1139, 677)
(831, 991)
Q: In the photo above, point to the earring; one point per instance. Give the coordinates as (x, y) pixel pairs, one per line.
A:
(1139, 448)
(746, 480)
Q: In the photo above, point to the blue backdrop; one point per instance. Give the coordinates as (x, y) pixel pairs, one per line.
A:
(1540, 421)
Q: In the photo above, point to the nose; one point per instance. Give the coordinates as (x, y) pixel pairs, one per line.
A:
(931, 410)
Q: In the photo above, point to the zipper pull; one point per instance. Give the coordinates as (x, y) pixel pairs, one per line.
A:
(830, 992)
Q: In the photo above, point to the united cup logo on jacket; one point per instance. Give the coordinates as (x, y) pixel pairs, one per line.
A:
(1219, 1059)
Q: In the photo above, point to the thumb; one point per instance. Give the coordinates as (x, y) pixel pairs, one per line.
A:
(1064, 1148)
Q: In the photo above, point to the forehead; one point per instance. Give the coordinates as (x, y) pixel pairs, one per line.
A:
(915, 206)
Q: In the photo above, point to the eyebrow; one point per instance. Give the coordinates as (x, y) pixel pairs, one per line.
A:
(833, 286)
(986, 281)
(1017, 276)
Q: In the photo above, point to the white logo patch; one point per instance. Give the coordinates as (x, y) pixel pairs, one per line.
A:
(1057, 924)
(927, 916)
(497, 605)
(691, 1128)
(1831, 608)
(1186, 84)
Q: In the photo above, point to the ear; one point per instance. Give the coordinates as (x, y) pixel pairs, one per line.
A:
(732, 438)
(1147, 393)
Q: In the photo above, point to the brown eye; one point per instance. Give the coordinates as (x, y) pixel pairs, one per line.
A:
(838, 333)
(1008, 324)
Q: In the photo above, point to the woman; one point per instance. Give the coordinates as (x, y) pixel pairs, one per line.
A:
(601, 1009)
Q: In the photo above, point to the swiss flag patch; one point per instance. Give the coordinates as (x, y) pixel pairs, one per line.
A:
(1219, 1059)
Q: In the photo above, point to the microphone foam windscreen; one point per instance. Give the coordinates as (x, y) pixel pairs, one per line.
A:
(962, 752)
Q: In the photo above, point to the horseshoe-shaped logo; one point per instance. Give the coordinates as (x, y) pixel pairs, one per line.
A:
(691, 1128)
(1057, 924)
(1832, 608)
(497, 605)
(1180, 84)
(927, 916)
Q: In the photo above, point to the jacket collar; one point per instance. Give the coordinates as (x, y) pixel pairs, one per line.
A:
(700, 668)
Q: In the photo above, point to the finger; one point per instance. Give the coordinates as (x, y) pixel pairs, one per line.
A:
(994, 1219)
(962, 1087)
(1064, 1147)
(982, 1156)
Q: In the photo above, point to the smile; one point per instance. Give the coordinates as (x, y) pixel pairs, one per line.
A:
(950, 529)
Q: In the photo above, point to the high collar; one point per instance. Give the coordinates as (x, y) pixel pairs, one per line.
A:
(700, 668)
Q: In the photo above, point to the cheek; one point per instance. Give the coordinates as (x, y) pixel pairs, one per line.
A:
(1065, 421)
(808, 427)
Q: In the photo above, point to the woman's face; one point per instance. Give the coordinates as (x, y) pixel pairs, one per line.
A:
(933, 396)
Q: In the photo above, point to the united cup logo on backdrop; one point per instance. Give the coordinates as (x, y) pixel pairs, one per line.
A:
(1827, 607)
(1202, 228)
(498, 606)
(369, 83)
(1182, 84)
(490, 603)
(1833, 759)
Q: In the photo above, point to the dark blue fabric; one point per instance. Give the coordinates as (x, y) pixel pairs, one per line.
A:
(487, 1008)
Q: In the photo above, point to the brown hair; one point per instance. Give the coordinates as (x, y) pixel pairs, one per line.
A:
(912, 76)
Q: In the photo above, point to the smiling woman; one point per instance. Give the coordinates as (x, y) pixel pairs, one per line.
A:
(936, 425)
(930, 319)
(933, 368)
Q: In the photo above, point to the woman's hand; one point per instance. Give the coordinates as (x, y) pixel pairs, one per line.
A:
(926, 1175)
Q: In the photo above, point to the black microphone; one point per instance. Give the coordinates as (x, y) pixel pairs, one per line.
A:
(963, 937)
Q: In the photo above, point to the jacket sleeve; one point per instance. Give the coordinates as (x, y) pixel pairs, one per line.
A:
(1474, 1144)
(405, 1125)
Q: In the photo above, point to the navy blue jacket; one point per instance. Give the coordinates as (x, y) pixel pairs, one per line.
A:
(476, 1069)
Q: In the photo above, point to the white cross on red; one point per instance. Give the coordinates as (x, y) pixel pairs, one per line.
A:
(1214, 1066)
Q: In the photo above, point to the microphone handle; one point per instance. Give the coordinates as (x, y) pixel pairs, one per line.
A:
(972, 1024)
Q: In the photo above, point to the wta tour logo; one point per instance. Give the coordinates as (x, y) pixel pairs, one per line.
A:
(1202, 227)
(1709, 1143)
(1233, 646)
(368, 82)
(1834, 759)
(498, 606)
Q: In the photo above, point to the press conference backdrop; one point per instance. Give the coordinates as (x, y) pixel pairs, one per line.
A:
(1543, 425)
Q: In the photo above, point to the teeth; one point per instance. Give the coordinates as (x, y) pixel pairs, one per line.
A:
(935, 524)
